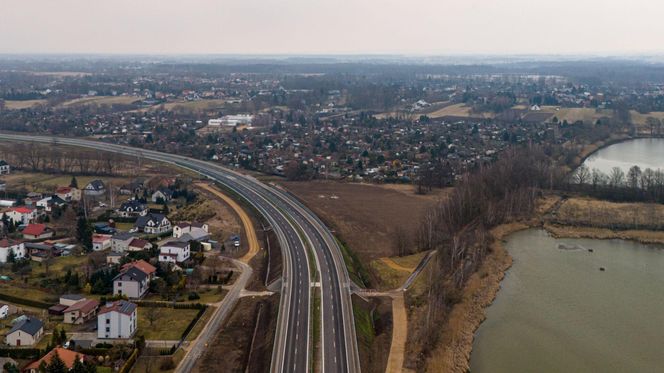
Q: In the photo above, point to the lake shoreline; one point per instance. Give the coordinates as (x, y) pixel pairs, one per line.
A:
(458, 336)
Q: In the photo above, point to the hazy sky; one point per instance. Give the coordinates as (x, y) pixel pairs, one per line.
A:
(332, 26)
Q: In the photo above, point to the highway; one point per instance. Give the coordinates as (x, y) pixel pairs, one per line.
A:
(301, 235)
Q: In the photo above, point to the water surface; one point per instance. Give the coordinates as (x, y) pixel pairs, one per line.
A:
(557, 312)
(646, 153)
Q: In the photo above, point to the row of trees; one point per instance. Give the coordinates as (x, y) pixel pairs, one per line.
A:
(41, 157)
(458, 227)
(634, 185)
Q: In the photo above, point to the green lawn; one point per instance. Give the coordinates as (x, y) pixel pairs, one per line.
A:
(198, 328)
(59, 265)
(169, 323)
(210, 295)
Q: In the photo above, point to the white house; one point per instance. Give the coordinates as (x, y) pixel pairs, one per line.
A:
(94, 188)
(25, 332)
(132, 283)
(193, 229)
(4, 167)
(232, 120)
(132, 207)
(162, 194)
(21, 214)
(153, 223)
(117, 320)
(101, 241)
(68, 193)
(8, 245)
(174, 252)
(120, 241)
(4, 311)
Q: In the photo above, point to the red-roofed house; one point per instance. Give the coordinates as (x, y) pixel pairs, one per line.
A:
(21, 214)
(138, 244)
(68, 193)
(37, 232)
(8, 245)
(81, 311)
(144, 266)
(67, 356)
(101, 241)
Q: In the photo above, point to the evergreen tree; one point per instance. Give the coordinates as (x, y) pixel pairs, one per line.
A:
(10, 368)
(74, 182)
(56, 365)
(84, 232)
(78, 366)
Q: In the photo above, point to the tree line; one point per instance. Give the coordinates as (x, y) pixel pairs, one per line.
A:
(635, 185)
(458, 227)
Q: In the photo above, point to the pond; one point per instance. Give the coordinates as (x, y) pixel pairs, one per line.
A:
(645, 153)
(557, 311)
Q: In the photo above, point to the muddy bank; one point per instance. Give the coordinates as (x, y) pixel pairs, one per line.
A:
(570, 231)
(456, 343)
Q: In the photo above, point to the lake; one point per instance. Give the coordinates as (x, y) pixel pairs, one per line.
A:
(557, 312)
(646, 153)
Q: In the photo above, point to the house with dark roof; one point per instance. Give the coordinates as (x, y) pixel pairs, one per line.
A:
(95, 188)
(132, 208)
(5, 169)
(174, 252)
(162, 195)
(25, 332)
(153, 223)
(138, 244)
(144, 266)
(132, 283)
(117, 320)
(121, 240)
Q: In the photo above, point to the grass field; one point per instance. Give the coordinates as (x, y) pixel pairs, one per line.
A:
(603, 214)
(16, 105)
(100, 100)
(211, 295)
(366, 216)
(48, 182)
(391, 277)
(200, 105)
(168, 325)
(458, 110)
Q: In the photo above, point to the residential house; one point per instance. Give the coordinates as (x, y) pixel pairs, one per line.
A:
(25, 332)
(38, 252)
(81, 311)
(68, 193)
(121, 240)
(71, 299)
(114, 257)
(8, 246)
(117, 320)
(174, 252)
(101, 241)
(144, 266)
(95, 188)
(4, 310)
(68, 357)
(135, 187)
(47, 203)
(198, 231)
(21, 214)
(138, 244)
(37, 232)
(153, 223)
(132, 283)
(132, 208)
(162, 195)
(5, 169)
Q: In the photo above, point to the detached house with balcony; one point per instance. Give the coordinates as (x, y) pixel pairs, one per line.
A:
(153, 223)
(174, 252)
(117, 320)
(132, 283)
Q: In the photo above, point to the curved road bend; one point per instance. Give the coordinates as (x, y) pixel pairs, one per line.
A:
(292, 344)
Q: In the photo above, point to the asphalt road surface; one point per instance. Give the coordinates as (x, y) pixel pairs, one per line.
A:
(304, 239)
